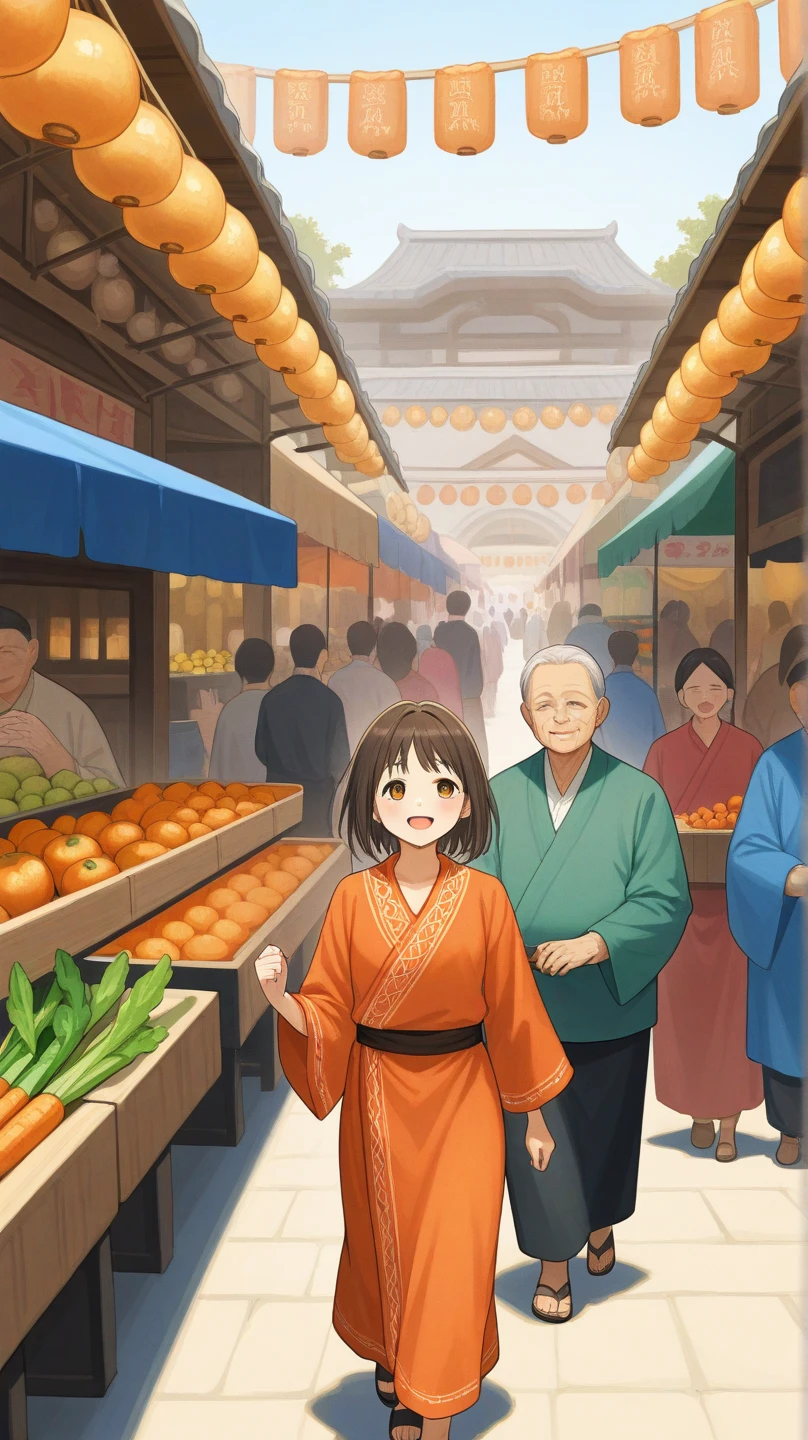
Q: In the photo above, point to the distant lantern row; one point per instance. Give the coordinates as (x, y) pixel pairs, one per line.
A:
(511, 561)
(546, 495)
(492, 419)
(727, 80)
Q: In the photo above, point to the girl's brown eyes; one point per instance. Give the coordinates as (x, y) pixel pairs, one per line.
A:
(396, 790)
(446, 789)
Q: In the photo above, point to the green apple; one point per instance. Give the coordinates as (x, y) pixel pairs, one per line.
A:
(8, 807)
(35, 785)
(64, 780)
(20, 765)
(8, 785)
(32, 802)
(83, 790)
(57, 796)
(102, 784)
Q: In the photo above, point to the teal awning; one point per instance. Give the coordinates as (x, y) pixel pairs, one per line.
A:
(700, 502)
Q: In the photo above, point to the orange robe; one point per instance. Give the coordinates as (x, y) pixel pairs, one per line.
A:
(422, 1151)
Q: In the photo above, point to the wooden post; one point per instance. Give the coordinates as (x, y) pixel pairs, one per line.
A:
(327, 597)
(71, 1349)
(13, 1406)
(370, 593)
(142, 1233)
(741, 586)
(655, 615)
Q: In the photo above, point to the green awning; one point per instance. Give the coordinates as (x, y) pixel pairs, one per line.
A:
(700, 502)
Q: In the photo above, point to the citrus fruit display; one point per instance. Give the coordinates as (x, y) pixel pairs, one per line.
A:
(721, 816)
(201, 662)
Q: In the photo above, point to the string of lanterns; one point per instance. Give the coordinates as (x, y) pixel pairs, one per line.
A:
(762, 310)
(727, 81)
(492, 419)
(404, 514)
(547, 495)
(69, 78)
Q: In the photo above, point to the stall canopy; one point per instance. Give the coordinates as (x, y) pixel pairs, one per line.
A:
(700, 502)
(321, 507)
(399, 552)
(59, 485)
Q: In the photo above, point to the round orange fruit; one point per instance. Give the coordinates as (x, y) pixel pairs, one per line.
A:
(237, 790)
(282, 881)
(205, 947)
(155, 949)
(67, 850)
(197, 830)
(211, 789)
(200, 803)
(6, 847)
(117, 834)
(25, 883)
(222, 898)
(138, 853)
(92, 823)
(233, 935)
(297, 866)
(147, 791)
(22, 828)
(734, 803)
(263, 792)
(242, 882)
(161, 810)
(177, 932)
(201, 917)
(178, 791)
(248, 807)
(168, 833)
(217, 817)
(65, 824)
(35, 843)
(732, 819)
(130, 810)
(267, 898)
(310, 852)
(86, 873)
(245, 913)
(259, 870)
(226, 802)
(184, 815)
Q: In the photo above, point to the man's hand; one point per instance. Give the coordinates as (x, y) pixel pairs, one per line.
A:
(24, 732)
(797, 882)
(558, 957)
(539, 1143)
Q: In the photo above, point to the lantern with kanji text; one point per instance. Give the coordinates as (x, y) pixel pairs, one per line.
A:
(377, 113)
(557, 95)
(464, 108)
(301, 111)
(649, 76)
(727, 58)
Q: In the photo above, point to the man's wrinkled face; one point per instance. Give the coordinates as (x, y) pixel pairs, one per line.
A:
(563, 711)
(17, 659)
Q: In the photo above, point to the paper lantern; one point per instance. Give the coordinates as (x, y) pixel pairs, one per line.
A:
(669, 427)
(355, 449)
(701, 381)
(779, 270)
(31, 31)
(188, 219)
(720, 355)
(373, 467)
(463, 418)
(795, 217)
(274, 328)
(255, 300)
(557, 95)
(791, 35)
(601, 491)
(575, 494)
(377, 113)
(426, 495)
(76, 274)
(294, 355)
(727, 58)
(410, 516)
(579, 414)
(510, 561)
(336, 409)
(649, 76)
(524, 418)
(661, 449)
(301, 111)
(469, 495)
(315, 383)
(607, 414)
(179, 352)
(198, 366)
(345, 434)
(636, 475)
(761, 303)
(552, 417)
(423, 529)
(464, 108)
(438, 416)
(391, 416)
(229, 388)
(496, 495)
(226, 264)
(447, 495)
(743, 327)
(113, 299)
(415, 416)
(616, 465)
(647, 466)
(46, 216)
(547, 496)
(492, 419)
(143, 326)
(140, 166)
(683, 405)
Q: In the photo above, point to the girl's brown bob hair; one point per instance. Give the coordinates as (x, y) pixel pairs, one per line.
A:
(438, 738)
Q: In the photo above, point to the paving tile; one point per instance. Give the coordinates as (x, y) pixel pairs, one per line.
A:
(757, 1215)
(299, 1173)
(743, 1343)
(717, 1269)
(280, 1351)
(260, 1267)
(203, 1348)
(749, 1416)
(631, 1417)
(324, 1279)
(260, 1215)
(631, 1343)
(526, 1353)
(337, 1363)
(295, 1135)
(663, 1166)
(217, 1419)
(530, 1418)
(665, 1215)
(315, 1215)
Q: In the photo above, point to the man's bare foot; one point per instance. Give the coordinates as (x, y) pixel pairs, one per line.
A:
(554, 1274)
(788, 1151)
(408, 1431)
(600, 1264)
(726, 1149)
(436, 1429)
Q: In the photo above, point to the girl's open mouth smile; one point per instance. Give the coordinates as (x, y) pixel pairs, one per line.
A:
(420, 822)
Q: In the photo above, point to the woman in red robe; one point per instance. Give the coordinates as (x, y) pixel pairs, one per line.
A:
(701, 1067)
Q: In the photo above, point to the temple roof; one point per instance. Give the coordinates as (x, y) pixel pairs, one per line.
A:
(470, 385)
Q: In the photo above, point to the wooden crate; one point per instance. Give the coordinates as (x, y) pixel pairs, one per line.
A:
(54, 1207)
(154, 1095)
(705, 854)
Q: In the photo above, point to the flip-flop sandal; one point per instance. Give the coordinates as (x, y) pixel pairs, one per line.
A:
(598, 1251)
(562, 1293)
(725, 1151)
(401, 1417)
(387, 1397)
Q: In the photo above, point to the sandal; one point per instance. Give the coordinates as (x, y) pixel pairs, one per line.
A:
(383, 1377)
(401, 1417)
(725, 1151)
(702, 1134)
(598, 1251)
(562, 1293)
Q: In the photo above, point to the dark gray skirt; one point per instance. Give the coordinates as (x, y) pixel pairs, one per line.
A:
(596, 1123)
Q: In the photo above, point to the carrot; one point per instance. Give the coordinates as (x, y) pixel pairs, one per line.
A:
(28, 1129)
(4, 1086)
(11, 1103)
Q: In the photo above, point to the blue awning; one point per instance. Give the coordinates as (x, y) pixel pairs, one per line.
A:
(399, 552)
(58, 485)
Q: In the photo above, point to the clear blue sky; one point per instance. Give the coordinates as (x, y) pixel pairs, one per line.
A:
(643, 179)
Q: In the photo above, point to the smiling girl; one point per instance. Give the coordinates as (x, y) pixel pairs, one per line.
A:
(415, 955)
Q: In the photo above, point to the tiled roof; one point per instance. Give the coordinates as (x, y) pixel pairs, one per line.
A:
(514, 386)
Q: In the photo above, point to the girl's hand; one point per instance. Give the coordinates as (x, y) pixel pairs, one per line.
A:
(539, 1143)
(272, 970)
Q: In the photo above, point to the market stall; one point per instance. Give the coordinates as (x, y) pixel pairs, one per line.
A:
(408, 578)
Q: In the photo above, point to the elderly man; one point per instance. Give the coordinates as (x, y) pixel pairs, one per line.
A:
(588, 851)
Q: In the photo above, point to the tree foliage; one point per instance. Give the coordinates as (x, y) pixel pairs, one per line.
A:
(672, 269)
(326, 258)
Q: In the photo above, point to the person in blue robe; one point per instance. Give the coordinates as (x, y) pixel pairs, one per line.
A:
(634, 720)
(767, 885)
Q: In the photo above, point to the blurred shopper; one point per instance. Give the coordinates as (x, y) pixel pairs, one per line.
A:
(301, 736)
(493, 666)
(500, 627)
(701, 1066)
(232, 755)
(634, 720)
(463, 644)
(423, 636)
(767, 713)
(397, 648)
(518, 624)
(438, 667)
(535, 638)
(592, 634)
(723, 640)
(363, 690)
(779, 624)
(675, 639)
(559, 623)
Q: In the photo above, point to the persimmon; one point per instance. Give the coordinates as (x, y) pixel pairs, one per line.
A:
(720, 808)
(168, 833)
(184, 815)
(34, 844)
(200, 803)
(205, 947)
(732, 819)
(238, 790)
(201, 917)
(86, 873)
(6, 847)
(282, 881)
(4, 916)
(138, 853)
(243, 882)
(130, 810)
(233, 935)
(222, 898)
(179, 790)
(266, 897)
(226, 802)
(263, 792)
(734, 803)
(64, 824)
(211, 789)
(698, 824)
(145, 792)
(25, 883)
(197, 830)
(67, 850)
(714, 825)
(217, 818)
(694, 817)
(298, 867)
(161, 810)
(248, 807)
(244, 912)
(22, 828)
(155, 949)
(177, 931)
(117, 834)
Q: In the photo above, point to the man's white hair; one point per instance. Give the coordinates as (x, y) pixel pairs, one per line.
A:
(563, 655)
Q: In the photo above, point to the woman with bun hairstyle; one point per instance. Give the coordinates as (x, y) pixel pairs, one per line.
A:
(415, 955)
(701, 1067)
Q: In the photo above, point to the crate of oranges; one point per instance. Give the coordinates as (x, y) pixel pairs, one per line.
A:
(704, 835)
(212, 936)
